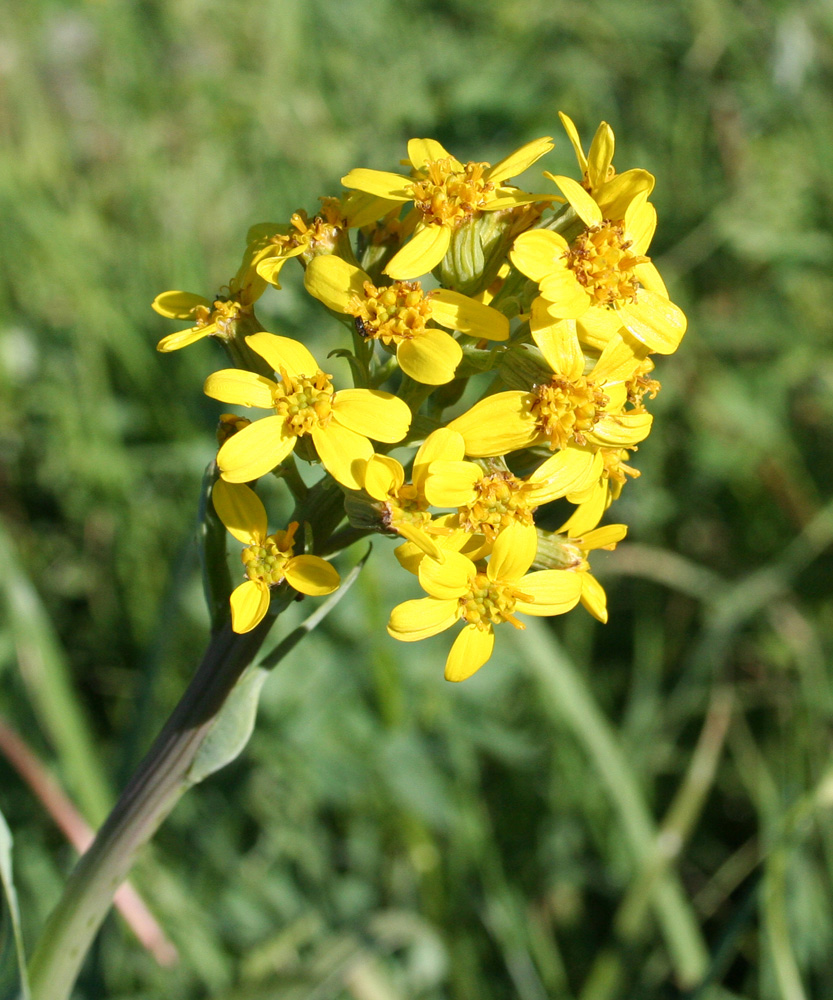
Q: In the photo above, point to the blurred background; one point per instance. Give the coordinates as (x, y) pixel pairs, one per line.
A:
(641, 809)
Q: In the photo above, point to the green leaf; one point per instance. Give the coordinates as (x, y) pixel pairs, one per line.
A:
(234, 725)
(10, 893)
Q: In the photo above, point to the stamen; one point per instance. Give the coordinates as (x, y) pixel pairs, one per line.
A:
(449, 195)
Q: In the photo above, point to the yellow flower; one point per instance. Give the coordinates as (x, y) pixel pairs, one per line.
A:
(611, 191)
(211, 318)
(568, 411)
(405, 505)
(398, 314)
(268, 559)
(305, 403)
(487, 502)
(459, 591)
(445, 193)
(569, 551)
(603, 278)
(595, 499)
(273, 244)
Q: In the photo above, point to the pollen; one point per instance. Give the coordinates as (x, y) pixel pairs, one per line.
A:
(500, 501)
(392, 313)
(565, 409)
(449, 195)
(265, 561)
(304, 402)
(490, 602)
(603, 264)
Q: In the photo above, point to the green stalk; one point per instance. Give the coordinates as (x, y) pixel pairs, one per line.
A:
(158, 784)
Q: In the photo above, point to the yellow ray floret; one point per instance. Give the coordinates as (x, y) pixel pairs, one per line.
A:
(568, 411)
(268, 559)
(398, 315)
(217, 317)
(445, 193)
(304, 403)
(603, 278)
(459, 590)
(610, 191)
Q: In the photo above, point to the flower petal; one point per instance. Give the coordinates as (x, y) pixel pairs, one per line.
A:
(655, 321)
(470, 650)
(441, 445)
(583, 205)
(513, 552)
(343, 452)
(593, 596)
(382, 183)
(562, 473)
(249, 604)
(536, 252)
(572, 135)
(588, 513)
(497, 424)
(458, 312)
(284, 353)
(523, 157)
(241, 511)
(312, 575)
(372, 413)
(621, 430)
(600, 156)
(415, 620)
(558, 343)
(640, 223)
(449, 579)
(182, 338)
(423, 151)
(430, 358)
(603, 538)
(334, 282)
(618, 193)
(649, 277)
(565, 297)
(383, 476)
(553, 592)
(596, 326)
(255, 450)
(178, 305)
(420, 254)
(451, 484)
(233, 385)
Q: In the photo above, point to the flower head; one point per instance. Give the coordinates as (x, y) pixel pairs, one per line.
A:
(483, 597)
(610, 191)
(569, 411)
(305, 404)
(398, 315)
(603, 278)
(217, 317)
(268, 559)
(445, 194)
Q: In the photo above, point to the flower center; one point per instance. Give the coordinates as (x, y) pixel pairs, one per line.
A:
(227, 310)
(490, 602)
(318, 234)
(602, 262)
(500, 501)
(304, 402)
(266, 560)
(392, 313)
(565, 408)
(447, 195)
(641, 385)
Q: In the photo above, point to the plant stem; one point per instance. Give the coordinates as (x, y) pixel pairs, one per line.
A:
(153, 791)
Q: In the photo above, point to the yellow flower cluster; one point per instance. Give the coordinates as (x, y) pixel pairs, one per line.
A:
(500, 341)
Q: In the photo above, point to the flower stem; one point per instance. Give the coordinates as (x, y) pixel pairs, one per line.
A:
(153, 791)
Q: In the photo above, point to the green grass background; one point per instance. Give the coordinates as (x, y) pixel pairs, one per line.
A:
(637, 810)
